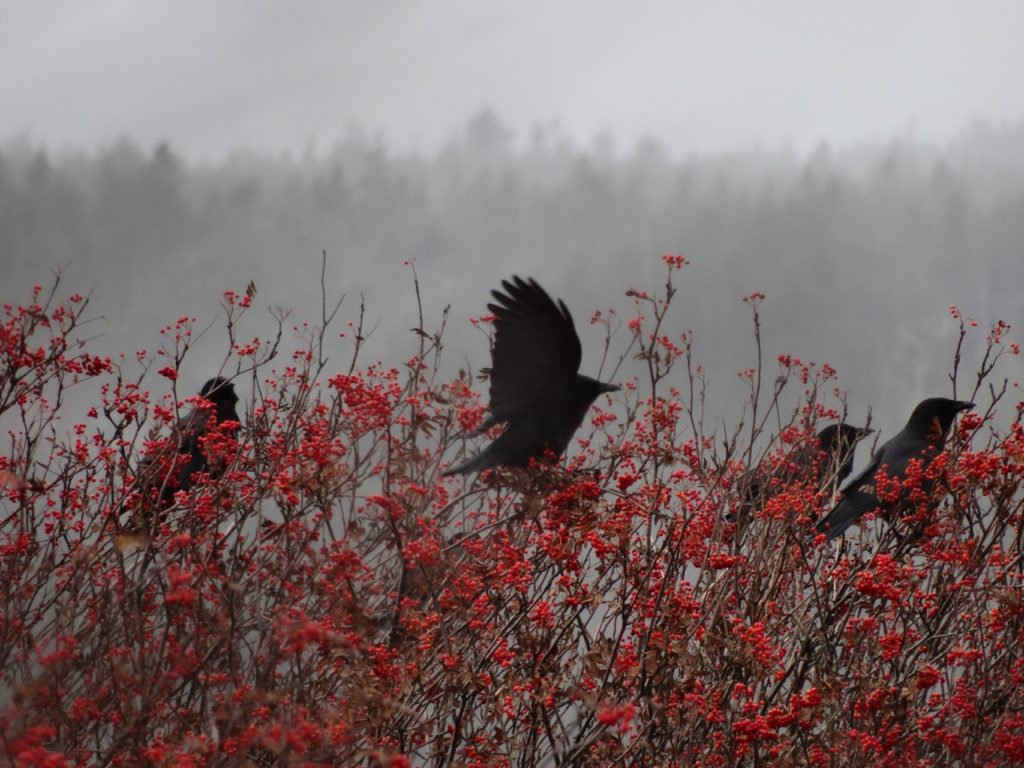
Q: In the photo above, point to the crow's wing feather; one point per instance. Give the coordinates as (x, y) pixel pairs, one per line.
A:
(536, 351)
(189, 429)
(187, 433)
(867, 475)
(851, 508)
(855, 503)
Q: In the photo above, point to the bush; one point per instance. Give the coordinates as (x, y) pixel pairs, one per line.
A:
(330, 600)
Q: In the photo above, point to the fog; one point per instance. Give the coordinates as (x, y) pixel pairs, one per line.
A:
(862, 166)
(859, 251)
(697, 77)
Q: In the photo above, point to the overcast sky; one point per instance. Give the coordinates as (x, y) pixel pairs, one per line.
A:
(700, 76)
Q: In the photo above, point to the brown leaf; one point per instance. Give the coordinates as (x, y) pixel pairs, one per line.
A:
(129, 541)
(9, 481)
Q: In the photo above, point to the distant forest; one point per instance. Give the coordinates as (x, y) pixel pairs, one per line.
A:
(859, 250)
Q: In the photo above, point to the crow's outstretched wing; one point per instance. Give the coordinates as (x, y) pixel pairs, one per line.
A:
(536, 352)
(535, 389)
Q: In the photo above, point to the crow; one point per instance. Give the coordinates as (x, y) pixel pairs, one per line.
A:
(174, 468)
(199, 422)
(923, 438)
(536, 391)
(826, 458)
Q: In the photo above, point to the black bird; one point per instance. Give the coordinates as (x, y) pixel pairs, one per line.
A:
(173, 468)
(828, 455)
(198, 422)
(535, 388)
(923, 438)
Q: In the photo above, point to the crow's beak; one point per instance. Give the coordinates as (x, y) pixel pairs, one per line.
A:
(963, 406)
(864, 432)
(609, 388)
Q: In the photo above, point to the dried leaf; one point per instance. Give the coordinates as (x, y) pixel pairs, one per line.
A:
(129, 541)
(9, 481)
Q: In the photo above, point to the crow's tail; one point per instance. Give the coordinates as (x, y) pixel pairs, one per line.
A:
(483, 460)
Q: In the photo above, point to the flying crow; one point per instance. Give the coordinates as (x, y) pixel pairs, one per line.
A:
(922, 439)
(536, 391)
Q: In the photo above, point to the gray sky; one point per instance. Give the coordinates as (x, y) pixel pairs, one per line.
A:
(699, 76)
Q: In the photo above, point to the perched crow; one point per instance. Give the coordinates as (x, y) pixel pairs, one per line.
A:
(535, 388)
(828, 455)
(191, 428)
(922, 438)
(173, 467)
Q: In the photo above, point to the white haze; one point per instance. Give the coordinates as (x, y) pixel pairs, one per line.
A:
(696, 76)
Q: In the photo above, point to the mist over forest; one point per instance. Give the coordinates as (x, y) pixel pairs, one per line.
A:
(860, 251)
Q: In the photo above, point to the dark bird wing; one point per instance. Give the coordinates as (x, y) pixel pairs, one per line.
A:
(536, 351)
(858, 498)
(186, 435)
(190, 427)
(203, 418)
(173, 468)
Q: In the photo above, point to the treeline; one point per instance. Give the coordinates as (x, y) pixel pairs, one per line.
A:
(860, 251)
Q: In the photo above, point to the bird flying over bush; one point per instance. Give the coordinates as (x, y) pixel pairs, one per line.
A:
(536, 390)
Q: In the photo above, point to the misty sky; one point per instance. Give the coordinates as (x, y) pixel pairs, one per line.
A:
(699, 76)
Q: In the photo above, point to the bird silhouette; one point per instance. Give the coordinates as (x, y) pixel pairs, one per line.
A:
(174, 468)
(827, 458)
(536, 390)
(922, 439)
(199, 422)
(183, 457)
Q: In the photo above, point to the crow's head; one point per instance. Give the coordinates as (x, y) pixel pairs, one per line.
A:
(837, 443)
(932, 418)
(835, 437)
(221, 393)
